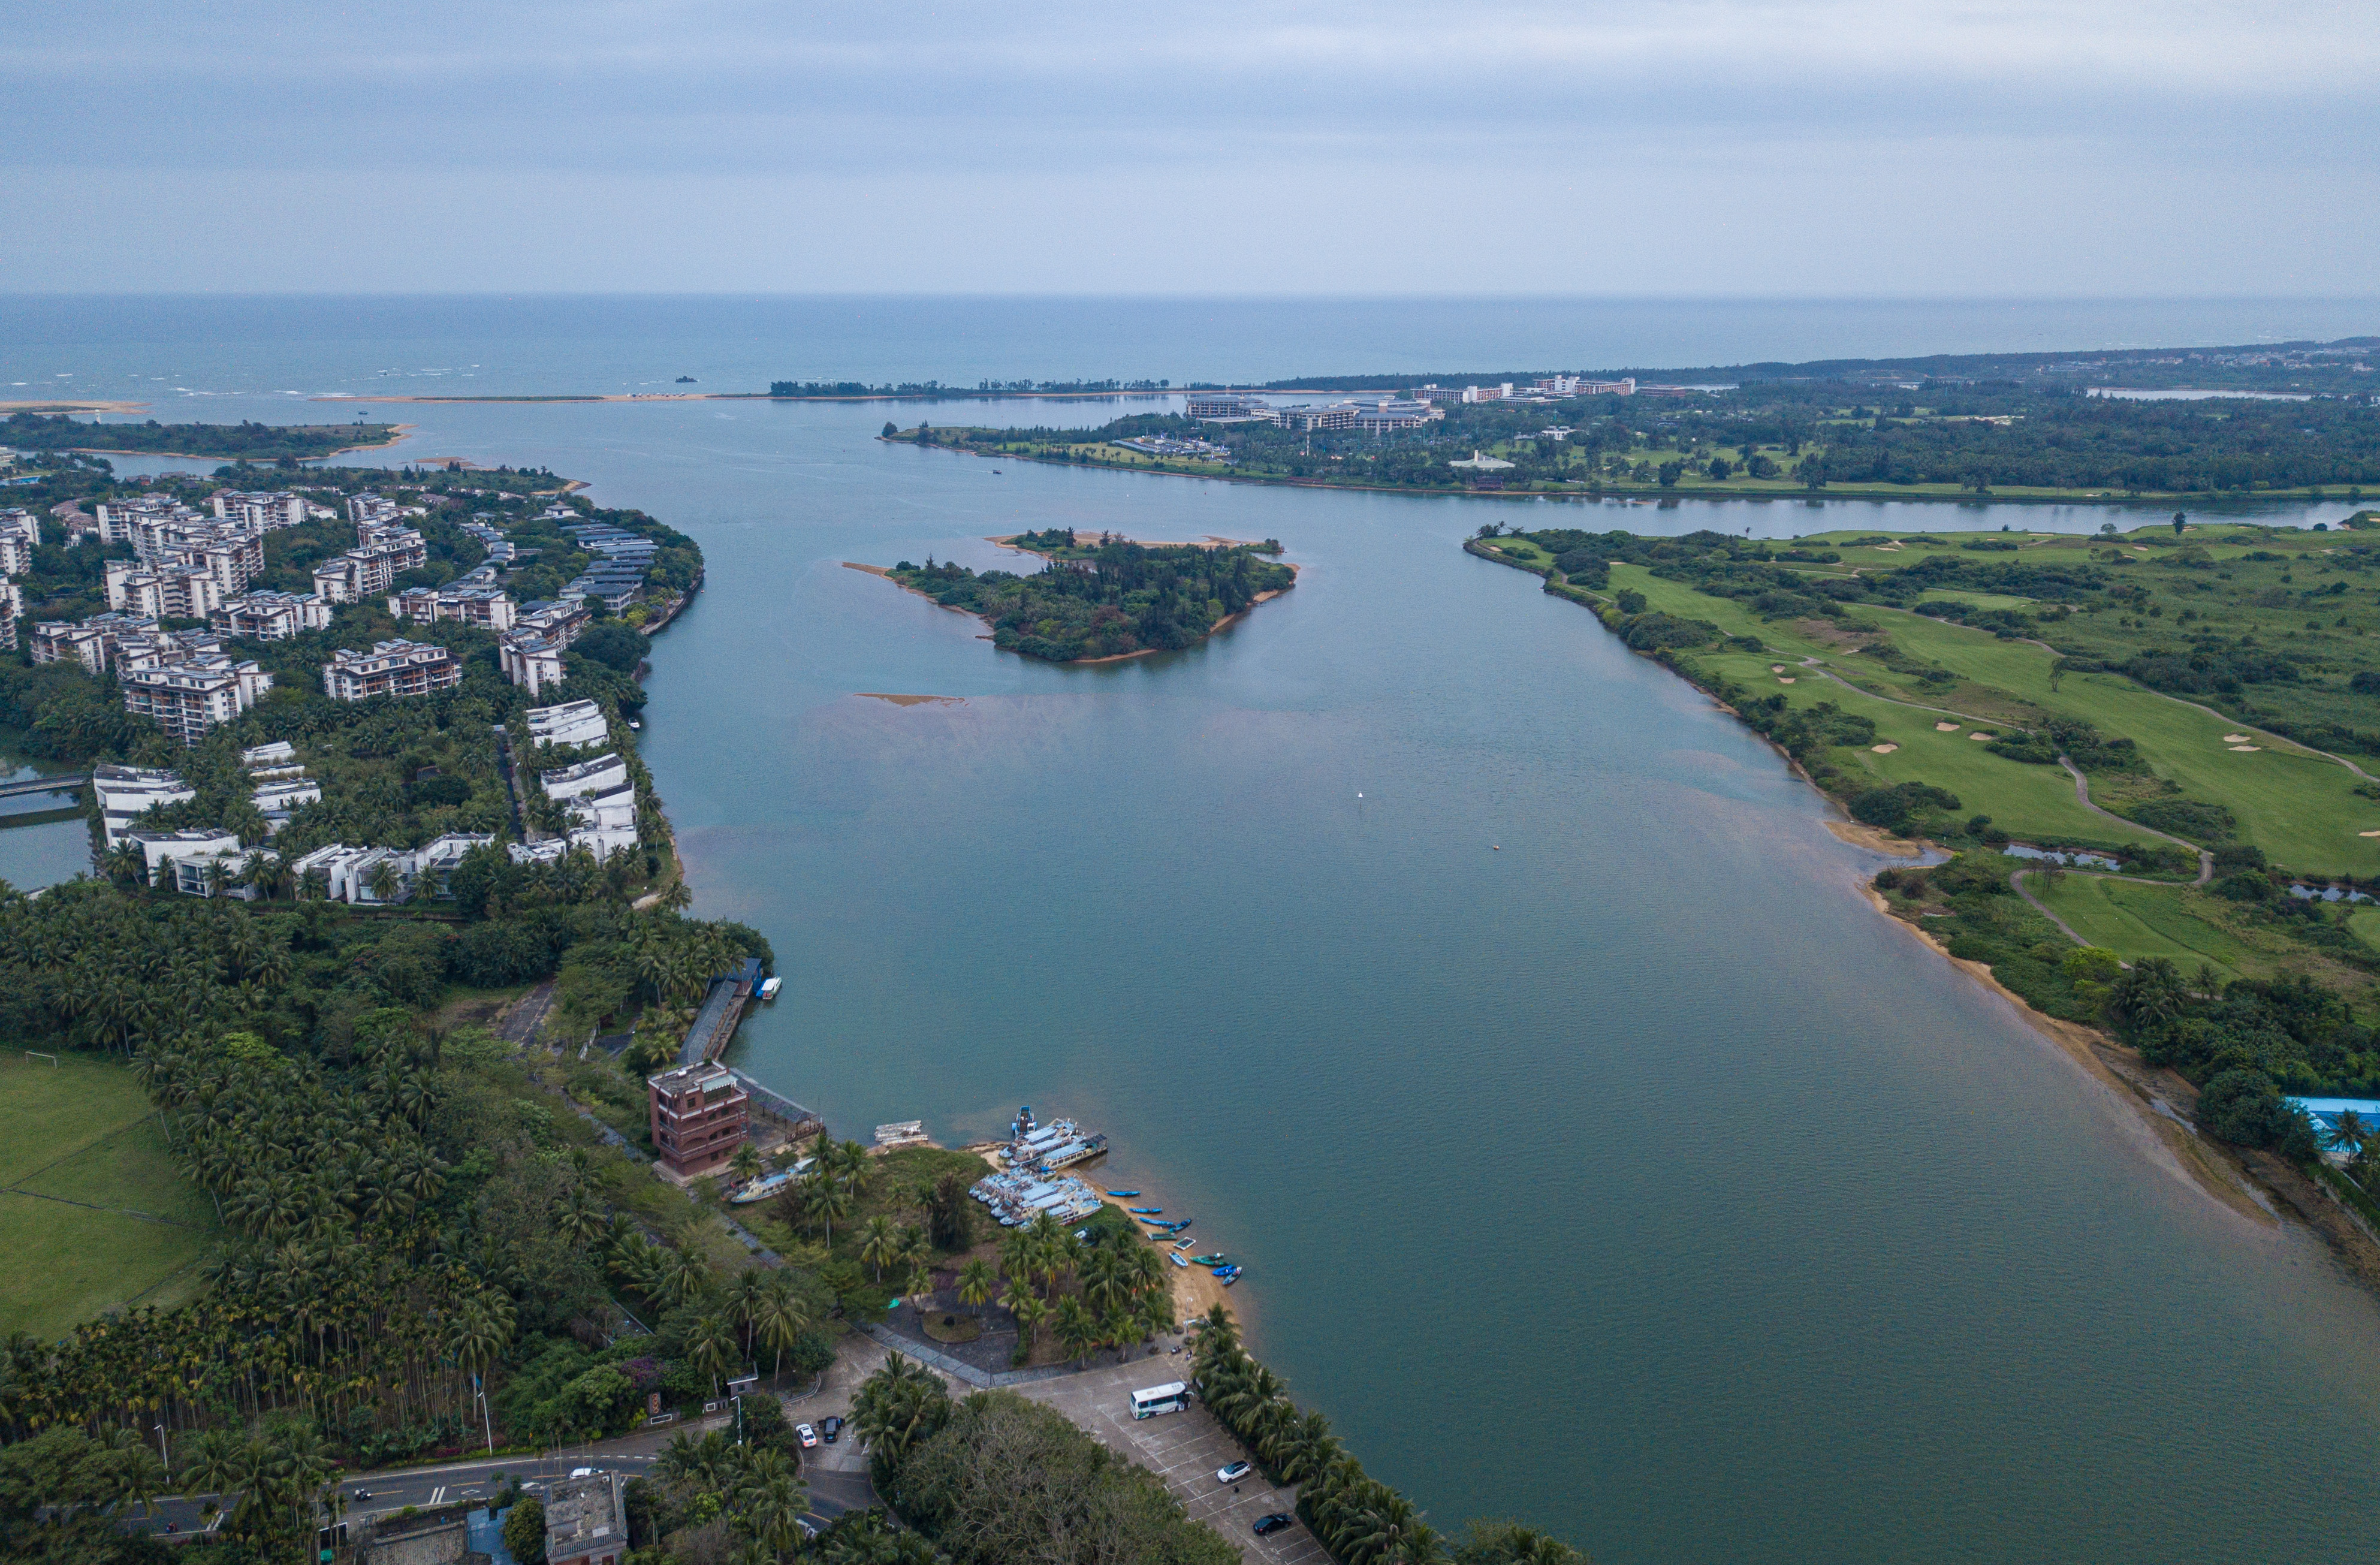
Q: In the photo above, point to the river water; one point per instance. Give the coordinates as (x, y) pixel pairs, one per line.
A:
(1596, 1154)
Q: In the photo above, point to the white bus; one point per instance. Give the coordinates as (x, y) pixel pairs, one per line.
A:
(1171, 1397)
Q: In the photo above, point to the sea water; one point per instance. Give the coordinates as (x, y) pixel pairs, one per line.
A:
(1597, 1154)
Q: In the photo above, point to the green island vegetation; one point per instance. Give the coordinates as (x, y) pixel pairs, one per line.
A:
(245, 440)
(1110, 598)
(2213, 687)
(2300, 420)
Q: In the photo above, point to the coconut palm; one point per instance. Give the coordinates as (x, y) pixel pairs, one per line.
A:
(977, 1280)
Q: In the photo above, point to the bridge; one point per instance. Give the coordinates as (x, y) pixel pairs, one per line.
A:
(64, 783)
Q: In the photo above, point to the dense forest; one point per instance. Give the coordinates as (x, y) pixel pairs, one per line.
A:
(1107, 600)
(245, 440)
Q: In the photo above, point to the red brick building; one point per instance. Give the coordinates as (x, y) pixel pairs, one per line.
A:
(700, 1115)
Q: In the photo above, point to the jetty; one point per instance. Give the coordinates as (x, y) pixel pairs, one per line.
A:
(722, 1010)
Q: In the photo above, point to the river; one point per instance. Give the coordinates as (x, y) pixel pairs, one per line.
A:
(1596, 1154)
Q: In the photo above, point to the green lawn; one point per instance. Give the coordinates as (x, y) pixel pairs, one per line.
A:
(2136, 921)
(93, 1214)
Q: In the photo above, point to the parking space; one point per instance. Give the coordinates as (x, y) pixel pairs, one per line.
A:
(1185, 1450)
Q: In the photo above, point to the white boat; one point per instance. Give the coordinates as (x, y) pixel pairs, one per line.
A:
(769, 988)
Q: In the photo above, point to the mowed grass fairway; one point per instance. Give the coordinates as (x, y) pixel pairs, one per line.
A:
(92, 1213)
(2136, 921)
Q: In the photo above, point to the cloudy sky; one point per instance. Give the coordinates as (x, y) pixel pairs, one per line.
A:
(1767, 148)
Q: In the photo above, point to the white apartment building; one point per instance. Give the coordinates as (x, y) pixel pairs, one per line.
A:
(265, 512)
(576, 725)
(531, 661)
(391, 668)
(128, 792)
(268, 615)
(490, 608)
(188, 698)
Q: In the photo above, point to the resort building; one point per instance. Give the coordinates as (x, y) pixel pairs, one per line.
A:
(125, 793)
(585, 1522)
(487, 607)
(391, 668)
(577, 724)
(699, 1116)
(267, 615)
(188, 697)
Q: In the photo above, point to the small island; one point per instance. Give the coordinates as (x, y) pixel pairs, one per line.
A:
(245, 442)
(1106, 596)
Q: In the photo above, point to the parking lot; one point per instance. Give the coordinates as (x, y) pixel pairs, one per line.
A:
(1183, 1449)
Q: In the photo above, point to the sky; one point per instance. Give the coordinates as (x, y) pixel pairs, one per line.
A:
(1675, 148)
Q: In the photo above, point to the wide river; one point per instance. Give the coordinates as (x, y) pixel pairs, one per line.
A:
(1598, 1156)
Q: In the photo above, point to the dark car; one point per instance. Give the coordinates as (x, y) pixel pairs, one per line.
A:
(830, 1428)
(1267, 1525)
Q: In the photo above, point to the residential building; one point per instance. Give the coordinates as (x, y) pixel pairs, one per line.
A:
(584, 1521)
(371, 567)
(265, 512)
(169, 592)
(487, 607)
(533, 661)
(125, 793)
(187, 698)
(181, 860)
(576, 725)
(391, 668)
(268, 615)
(699, 1116)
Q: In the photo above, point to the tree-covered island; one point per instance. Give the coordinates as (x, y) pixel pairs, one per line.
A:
(246, 441)
(1107, 597)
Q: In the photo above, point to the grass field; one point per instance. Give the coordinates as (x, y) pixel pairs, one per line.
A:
(2299, 806)
(86, 1183)
(2136, 921)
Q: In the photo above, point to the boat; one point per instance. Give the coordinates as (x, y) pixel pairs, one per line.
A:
(1124, 1195)
(769, 988)
(1143, 1212)
(762, 1188)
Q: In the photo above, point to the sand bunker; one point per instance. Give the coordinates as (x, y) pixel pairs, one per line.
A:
(1884, 749)
(1945, 728)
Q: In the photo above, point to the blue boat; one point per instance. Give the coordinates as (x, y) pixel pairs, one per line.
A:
(1124, 1194)
(1143, 1212)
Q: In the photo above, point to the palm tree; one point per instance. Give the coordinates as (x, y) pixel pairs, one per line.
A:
(977, 1280)
(784, 1315)
(880, 1242)
(709, 1345)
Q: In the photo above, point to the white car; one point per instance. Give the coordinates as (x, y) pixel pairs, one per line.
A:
(1235, 1473)
(808, 1435)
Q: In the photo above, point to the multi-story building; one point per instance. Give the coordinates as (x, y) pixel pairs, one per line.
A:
(169, 592)
(368, 569)
(391, 668)
(490, 608)
(699, 1115)
(187, 699)
(265, 512)
(268, 615)
(126, 792)
(573, 726)
(533, 662)
(585, 1522)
